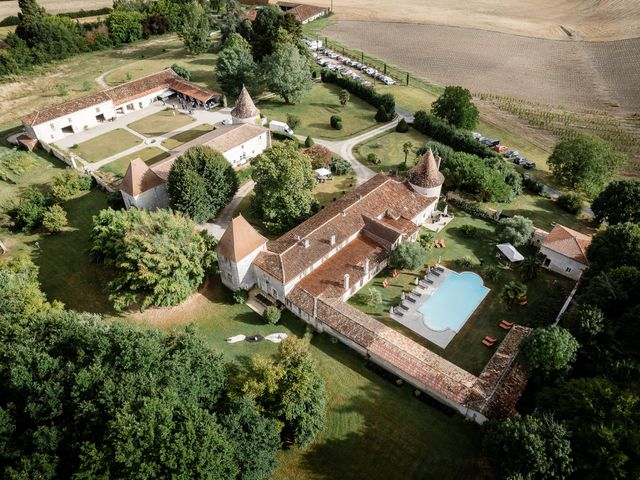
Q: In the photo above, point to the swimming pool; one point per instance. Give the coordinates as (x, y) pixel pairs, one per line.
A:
(454, 301)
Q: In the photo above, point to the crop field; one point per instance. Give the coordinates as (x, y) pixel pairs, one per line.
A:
(8, 8)
(568, 73)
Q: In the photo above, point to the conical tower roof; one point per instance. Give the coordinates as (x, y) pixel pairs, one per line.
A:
(426, 174)
(139, 178)
(239, 240)
(244, 107)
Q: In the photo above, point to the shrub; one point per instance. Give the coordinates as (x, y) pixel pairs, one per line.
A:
(373, 158)
(533, 185)
(472, 208)
(468, 230)
(402, 126)
(240, 297)
(512, 293)
(516, 231)
(338, 125)
(308, 142)
(293, 121)
(465, 263)
(334, 120)
(125, 26)
(381, 114)
(409, 256)
(321, 157)
(549, 350)
(69, 183)
(340, 166)
(30, 211)
(426, 240)
(570, 202)
(183, 72)
(54, 219)
(492, 272)
(271, 315)
(63, 90)
(374, 297)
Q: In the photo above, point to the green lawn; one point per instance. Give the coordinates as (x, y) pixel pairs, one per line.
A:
(388, 149)
(106, 145)
(161, 123)
(186, 136)
(149, 155)
(545, 294)
(315, 110)
(333, 189)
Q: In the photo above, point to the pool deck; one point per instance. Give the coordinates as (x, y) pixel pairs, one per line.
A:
(408, 312)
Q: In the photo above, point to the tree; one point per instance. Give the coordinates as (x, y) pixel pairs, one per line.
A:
(288, 73)
(604, 425)
(293, 121)
(181, 71)
(585, 321)
(512, 293)
(235, 67)
(382, 115)
(195, 29)
(20, 294)
(477, 176)
(69, 183)
(125, 26)
(408, 256)
(585, 163)
(158, 258)
(570, 202)
(334, 121)
(201, 182)
(344, 97)
(530, 447)
(455, 107)
(616, 246)
(619, 202)
(402, 126)
(406, 149)
(284, 183)
(549, 350)
(530, 267)
(516, 230)
(308, 142)
(340, 166)
(320, 156)
(614, 290)
(271, 314)
(30, 8)
(54, 219)
(29, 213)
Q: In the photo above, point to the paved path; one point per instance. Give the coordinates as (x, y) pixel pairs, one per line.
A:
(222, 221)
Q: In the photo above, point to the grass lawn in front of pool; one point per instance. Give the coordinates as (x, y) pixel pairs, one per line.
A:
(149, 155)
(546, 293)
(186, 136)
(388, 148)
(317, 107)
(106, 145)
(161, 123)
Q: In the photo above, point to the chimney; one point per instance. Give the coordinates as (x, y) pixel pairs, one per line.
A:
(297, 237)
(332, 240)
(306, 243)
(366, 265)
(438, 160)
(345, 281)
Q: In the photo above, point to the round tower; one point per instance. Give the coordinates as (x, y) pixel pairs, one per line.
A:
(244, 110)
(425, 178)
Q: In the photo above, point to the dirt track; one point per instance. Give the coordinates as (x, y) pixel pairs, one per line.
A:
(568, 73)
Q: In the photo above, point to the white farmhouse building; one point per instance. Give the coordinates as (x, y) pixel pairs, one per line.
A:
(564, 250)
(83, 113)
(145, 187)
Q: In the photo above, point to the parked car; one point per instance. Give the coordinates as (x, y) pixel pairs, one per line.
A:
(500, 148)
(520, 160)
(477, 135)
(512, 154)
(528, 165)
(280, 127)
(389, 81)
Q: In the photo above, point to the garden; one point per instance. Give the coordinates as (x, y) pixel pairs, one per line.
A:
(161, 123)
(149, 155)
(106, 145)
(186, 136)
(386, 152)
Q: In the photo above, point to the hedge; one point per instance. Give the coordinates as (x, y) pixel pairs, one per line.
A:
(12, 20)
(461, 140)
(472, 208)
(368, 94)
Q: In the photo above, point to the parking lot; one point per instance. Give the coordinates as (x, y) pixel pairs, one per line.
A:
(346, 66)
(514, 155)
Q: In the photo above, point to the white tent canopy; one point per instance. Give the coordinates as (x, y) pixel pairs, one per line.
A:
(323, 172)
(510, 252)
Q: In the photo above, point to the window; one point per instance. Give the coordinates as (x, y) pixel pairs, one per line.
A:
(97, 109)
(568, 269)
(546, 263)
(53, 127)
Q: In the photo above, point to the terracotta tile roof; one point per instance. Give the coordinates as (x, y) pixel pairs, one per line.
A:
(27, 141)
(239, 240)
(568, 242)
(380, 232)
(425, 173)
(305, 12)
(244, 107)
(139, 178)
(222, 139)
(122, 94)
(287, 256)
(250, 14)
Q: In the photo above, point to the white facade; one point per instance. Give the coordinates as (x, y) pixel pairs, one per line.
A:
(253, 147)
(152, 199)
(558, 263)
(239, 275)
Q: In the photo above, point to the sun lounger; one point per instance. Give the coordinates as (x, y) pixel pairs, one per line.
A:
(490, 339)
(442, 243)
(440, 269)
(404, 307)
(488, 344)
(506, 326)
(437, 244)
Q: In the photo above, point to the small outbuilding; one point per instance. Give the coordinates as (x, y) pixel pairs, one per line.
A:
(322, 174)
(509, 253)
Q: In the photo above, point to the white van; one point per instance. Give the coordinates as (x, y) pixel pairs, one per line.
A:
(280, 127)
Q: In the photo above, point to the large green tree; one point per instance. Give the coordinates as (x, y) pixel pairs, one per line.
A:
(409, 256)
(585, 163)
(195, 29)
(616, 246)
(288, 73)
(284, 184)
(158, 258)
(516, 230)
(456, 107)
(20, 294)
(549, 350)
(235, 67)
(531, 448)
(619, 202)
(201, 182)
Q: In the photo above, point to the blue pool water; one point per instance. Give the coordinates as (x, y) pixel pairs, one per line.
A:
(454, 301)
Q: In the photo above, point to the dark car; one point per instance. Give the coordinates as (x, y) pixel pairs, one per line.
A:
(528, 165)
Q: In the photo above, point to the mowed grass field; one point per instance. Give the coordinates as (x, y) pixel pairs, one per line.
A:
(186, 136)
(105, 145)
(149, 155)
(388, 148)
(161, 123)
